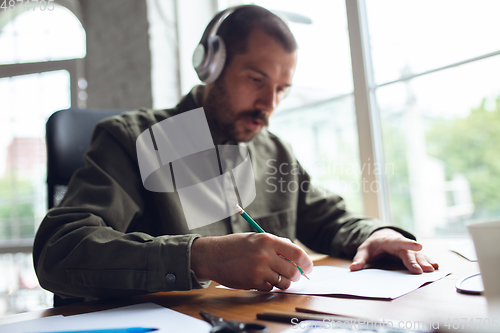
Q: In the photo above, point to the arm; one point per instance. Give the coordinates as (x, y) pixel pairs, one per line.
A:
(324, 225)
(83, 247)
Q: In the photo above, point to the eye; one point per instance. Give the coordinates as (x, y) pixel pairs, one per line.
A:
(282, 91)
(255, 79)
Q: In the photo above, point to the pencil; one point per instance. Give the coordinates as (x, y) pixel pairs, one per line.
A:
(259, 229)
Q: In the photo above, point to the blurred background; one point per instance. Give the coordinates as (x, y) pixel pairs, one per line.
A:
(420, 152)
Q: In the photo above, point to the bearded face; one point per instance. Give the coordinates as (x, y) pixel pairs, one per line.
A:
(251, 86)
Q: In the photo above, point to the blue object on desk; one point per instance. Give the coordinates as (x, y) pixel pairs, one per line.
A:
(112, 330)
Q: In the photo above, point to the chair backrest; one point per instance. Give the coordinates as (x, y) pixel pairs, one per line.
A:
(68, 134)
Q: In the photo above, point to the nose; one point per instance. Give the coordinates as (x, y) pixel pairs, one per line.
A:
(267, 100)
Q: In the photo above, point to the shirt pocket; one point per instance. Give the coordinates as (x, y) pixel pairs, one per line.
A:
(281, 223)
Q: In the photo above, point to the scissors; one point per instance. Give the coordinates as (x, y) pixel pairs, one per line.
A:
(223, 326)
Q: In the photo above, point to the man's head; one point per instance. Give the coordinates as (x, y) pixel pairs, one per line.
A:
(260, 63)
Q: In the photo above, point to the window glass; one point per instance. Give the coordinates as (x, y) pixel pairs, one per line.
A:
(29, 101)
(317, 117)
(441, 133)
(42, 36)
(325, 141)
(415, 36)
(19, 289)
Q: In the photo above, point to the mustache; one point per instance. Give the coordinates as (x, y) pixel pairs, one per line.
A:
(255, 115)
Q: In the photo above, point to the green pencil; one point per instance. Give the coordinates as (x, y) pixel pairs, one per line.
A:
(259, 229)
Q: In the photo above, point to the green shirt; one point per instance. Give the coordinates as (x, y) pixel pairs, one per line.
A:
(111, 237)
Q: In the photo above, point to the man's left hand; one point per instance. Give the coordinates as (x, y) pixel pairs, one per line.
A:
(388, 241)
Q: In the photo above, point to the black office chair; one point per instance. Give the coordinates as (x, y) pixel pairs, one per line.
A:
(68, 134)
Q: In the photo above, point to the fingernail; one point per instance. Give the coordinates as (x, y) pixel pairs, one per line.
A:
(354, 263)
(416, 265)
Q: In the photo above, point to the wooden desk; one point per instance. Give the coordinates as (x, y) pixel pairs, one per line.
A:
(436, 301)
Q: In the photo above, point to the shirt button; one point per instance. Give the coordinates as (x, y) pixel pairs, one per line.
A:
(170, 278)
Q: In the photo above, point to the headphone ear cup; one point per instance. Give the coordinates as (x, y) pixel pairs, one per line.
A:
(201, 60)
(217, 49)
(199, 57)
(209, 62)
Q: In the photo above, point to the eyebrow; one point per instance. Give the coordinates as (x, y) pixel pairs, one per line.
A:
(265, 74)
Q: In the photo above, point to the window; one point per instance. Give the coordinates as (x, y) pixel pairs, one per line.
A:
(436, 90)
(33, 36)
(428, 82)
(39, 71)
(318, 116)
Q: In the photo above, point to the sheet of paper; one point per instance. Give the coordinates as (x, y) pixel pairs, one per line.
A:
(148, 315)
(464, 248)
(30, 325)
(373, 283)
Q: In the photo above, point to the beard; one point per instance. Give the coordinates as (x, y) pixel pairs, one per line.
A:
(224, 118)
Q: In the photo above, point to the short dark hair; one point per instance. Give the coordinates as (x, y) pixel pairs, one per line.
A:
(238, 26)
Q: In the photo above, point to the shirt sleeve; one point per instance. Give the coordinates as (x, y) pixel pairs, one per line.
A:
(82, 247)
(326, 226)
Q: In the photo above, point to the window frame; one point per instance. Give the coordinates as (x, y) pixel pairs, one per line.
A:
(75, 68)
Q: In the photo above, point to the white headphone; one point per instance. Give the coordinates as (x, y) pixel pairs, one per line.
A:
(209, 56)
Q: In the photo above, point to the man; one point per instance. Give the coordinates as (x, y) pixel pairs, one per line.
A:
(110, 236)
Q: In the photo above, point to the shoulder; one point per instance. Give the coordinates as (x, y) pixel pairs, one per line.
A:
(134, 122)
(121, 131)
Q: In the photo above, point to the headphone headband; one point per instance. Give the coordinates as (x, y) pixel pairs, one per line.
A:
(221, 19)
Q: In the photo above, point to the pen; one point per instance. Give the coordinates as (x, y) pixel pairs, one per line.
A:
(111, 330)
(259, 229)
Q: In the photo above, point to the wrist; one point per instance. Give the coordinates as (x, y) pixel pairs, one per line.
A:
(200, 254)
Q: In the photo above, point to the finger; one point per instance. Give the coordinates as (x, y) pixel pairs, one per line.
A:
(264, 281)
(402, 244)
(286, 267)
(294, 253)
(431, 262)
(410, 261)
(286, 239)
(266, 286)
(434, 264)
(282, 283)
(424, 263)
(360, 259)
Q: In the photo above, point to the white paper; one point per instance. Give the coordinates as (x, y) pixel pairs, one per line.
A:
(147, 315)
(464, 248)
(373, 283)
(30, 325)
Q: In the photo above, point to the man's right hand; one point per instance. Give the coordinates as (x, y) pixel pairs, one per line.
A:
(248, 260)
